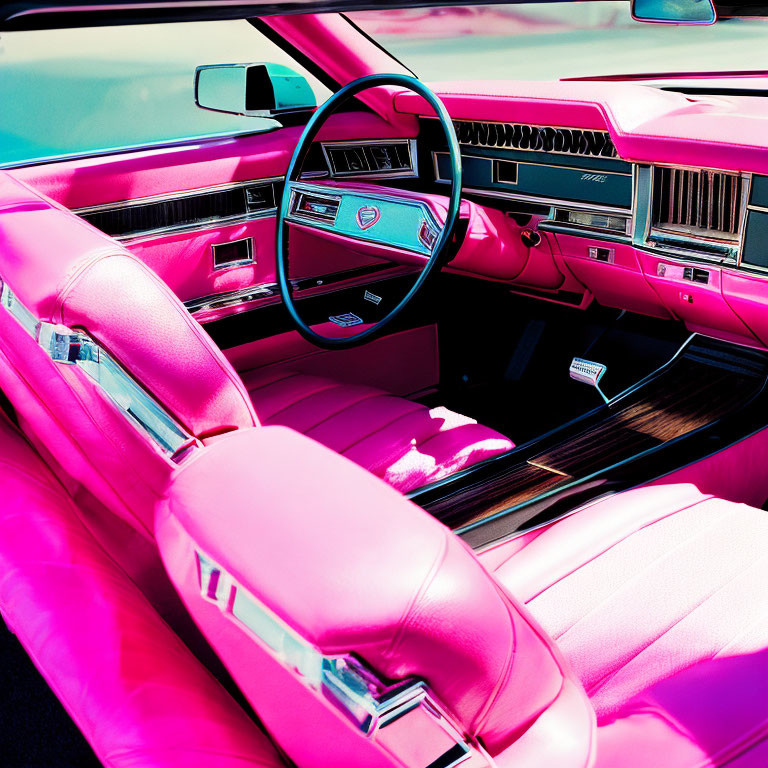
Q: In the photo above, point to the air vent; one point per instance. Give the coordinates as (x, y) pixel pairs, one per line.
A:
(535, 138)
(697, 203)
(184, 211)
(309, 205)
(380, 158)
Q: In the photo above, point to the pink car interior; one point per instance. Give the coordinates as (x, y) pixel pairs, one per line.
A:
(521, 525)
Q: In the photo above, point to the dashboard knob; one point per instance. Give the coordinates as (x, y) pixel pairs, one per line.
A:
(530, 238)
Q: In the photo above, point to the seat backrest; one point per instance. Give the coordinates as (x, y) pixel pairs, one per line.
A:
(59, 271)
(324, 590)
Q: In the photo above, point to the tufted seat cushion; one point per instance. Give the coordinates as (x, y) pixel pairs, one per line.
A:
(403, 442)
(657, 597)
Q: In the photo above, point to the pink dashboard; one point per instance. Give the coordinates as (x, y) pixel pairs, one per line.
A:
(621, 194)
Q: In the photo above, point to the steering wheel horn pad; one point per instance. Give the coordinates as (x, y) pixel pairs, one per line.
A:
(368, 213)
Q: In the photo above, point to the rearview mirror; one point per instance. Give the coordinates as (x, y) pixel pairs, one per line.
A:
(255, 90)
(675, 11)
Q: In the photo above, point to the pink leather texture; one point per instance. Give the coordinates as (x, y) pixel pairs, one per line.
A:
(655, 596)
(404, 363)
(400, 441)
(185, 261)
(139, 696)
(620, 284)
(317, 561)
(65, 271)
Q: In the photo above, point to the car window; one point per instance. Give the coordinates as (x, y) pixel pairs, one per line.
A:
(85, 91)
(547, 41)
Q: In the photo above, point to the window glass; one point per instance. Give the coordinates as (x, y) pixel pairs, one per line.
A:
(83, 91)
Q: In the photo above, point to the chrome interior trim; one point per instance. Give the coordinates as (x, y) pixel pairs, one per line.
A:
(158, 147)
(534, 164)
(548, 201)
(232, 298)
(194, 226)
(169, 196)
(69, 347)
(328, 226)
(561, 228)
(719, 247)
(410, 173)
(240, 262)
(328, 197)
(499, 515)
(202, 226)
(347, 683)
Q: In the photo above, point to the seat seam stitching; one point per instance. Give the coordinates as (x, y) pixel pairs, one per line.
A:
(613, 544)
(646, 567)
(699, 604)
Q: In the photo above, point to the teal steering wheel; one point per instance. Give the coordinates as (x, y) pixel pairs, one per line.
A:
(294, 173)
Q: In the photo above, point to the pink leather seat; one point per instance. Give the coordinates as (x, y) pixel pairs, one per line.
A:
(138, 694)
(401, 441)
(66, 272)
(358, 569)
(657, 597)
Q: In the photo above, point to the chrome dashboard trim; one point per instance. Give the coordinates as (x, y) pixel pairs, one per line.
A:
(601, 131)
(550, 202)
(684, 244)
(410, 144)
(341, 192)
(565, 166)
(606, 235)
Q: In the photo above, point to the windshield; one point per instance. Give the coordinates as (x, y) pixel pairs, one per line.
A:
(549, 41)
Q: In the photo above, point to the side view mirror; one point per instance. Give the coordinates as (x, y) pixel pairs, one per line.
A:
(675, 11)
(254, 90)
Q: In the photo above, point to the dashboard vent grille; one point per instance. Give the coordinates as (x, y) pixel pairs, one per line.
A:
(697, 202)
(564, 141)
(371, 158)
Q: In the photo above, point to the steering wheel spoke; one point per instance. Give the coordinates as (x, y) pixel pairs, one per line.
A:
(404, 228)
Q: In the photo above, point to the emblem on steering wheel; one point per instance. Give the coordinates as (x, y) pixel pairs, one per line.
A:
(367, 216)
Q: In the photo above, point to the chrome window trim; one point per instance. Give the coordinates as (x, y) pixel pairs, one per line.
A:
(170, 144)
(410, 144)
